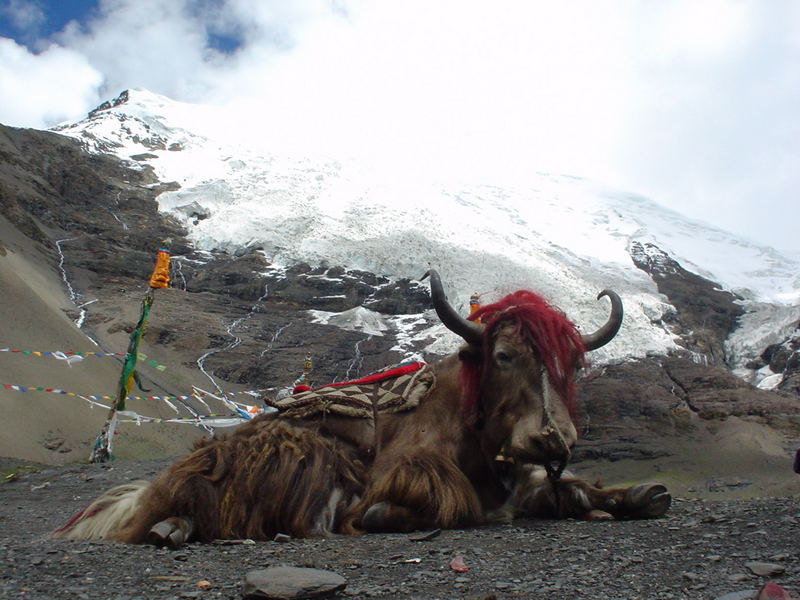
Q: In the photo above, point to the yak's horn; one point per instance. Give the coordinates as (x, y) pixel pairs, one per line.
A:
(470, 331)
(606, 333)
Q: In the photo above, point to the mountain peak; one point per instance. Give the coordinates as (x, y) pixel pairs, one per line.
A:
(109, 104)
(142, 103)
(137, 123)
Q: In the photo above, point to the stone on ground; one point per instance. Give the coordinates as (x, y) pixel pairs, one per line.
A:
(291, 583)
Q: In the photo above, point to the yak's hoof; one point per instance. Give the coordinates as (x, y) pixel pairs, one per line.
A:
(504, 514)
(646, 501)
(374, 518)
(386, 516)
(171, 532)
(598, 515)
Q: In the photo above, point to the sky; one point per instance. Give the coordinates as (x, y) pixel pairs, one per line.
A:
(693, 103)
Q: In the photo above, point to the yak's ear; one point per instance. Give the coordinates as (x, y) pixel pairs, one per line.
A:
(470, 353)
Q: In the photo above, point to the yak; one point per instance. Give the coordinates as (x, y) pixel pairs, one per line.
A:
(484, 436)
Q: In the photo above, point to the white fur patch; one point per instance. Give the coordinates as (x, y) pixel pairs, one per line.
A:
(580, 498)
(537, 474)
(326, 519)
(106, 515)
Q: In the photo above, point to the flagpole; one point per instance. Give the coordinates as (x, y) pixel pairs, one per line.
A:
(102, 448)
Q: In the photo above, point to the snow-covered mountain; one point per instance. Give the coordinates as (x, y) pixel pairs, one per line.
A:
(563, 236)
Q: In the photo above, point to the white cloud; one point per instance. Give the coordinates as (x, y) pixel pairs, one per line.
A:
(691, 31)
(24, 15)
(693, 102)
(43, 89)
(146, 43)
(448, 86)
(716, 128)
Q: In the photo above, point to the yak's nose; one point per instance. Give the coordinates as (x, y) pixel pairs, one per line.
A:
(556, 451)
(556, 443)
(549, 446)
(534, 442)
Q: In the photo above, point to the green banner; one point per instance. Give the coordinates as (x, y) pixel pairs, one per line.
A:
(129, 362)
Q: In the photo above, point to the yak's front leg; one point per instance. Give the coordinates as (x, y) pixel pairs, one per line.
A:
(642, 501)
(418, 491)
(535, 495)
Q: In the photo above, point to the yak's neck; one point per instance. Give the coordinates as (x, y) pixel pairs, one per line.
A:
(448, 382)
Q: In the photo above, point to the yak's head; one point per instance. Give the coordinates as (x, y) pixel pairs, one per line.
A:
(518, 372)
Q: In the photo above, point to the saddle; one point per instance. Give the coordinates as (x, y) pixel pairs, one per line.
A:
(390, 390)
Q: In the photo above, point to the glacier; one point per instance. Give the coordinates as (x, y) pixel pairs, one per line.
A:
(562, 236)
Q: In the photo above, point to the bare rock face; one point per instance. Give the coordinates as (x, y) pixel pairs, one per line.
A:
(705, 315)
(784, 360)
(48, 185)
(663, 392)
(634, 410)
(248, 275)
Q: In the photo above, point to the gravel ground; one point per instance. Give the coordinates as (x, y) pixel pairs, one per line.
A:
(701, 549)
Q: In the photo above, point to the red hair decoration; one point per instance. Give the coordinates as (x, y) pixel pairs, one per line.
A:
(546, 329)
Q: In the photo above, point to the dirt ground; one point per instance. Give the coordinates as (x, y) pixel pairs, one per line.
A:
(703, 548)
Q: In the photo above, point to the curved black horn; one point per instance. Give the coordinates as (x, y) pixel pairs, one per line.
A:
(606, 333)
(470, 331)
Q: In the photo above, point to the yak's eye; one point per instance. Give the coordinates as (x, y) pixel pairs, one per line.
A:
(503, 357)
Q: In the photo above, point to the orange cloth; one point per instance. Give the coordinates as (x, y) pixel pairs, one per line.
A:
(474, 304)
(160, 276)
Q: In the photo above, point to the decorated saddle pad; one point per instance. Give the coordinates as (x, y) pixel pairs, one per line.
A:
(391, 390)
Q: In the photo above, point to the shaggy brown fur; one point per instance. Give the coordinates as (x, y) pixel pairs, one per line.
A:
(434, 493)
(269, 476)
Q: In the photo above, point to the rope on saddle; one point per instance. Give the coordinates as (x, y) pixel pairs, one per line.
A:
(390, 391)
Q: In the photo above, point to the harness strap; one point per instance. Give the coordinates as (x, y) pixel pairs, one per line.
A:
(550, 428)
(549, 422)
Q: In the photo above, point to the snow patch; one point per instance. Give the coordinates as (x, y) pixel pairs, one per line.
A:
(358, 319)
(771, 382)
